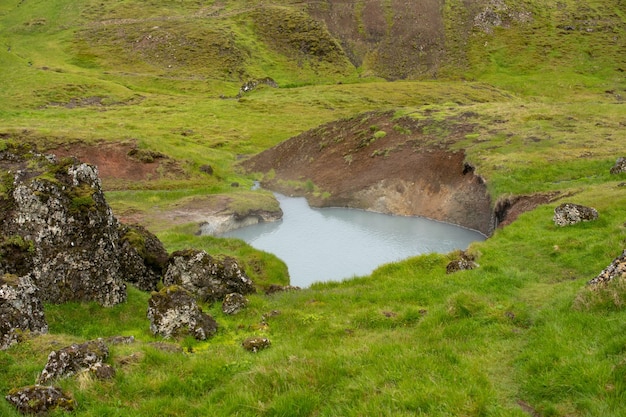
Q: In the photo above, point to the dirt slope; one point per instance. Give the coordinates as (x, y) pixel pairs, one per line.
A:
(377, 162)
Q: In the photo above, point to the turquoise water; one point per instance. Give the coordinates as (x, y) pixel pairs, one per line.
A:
(333, 244)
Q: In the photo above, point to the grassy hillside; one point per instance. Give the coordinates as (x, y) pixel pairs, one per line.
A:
(541, 83)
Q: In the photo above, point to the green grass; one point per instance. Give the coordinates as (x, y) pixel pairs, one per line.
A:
(519, 335)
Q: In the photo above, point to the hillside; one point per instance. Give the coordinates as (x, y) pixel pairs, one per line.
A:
(505, 108)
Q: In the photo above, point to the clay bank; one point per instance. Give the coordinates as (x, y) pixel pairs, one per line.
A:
(381, 163)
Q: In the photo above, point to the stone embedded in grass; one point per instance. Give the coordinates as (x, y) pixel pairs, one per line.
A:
(234, 303)
(462, 263)
(568, 214)
(620, 166)
(37, 399)
(20, 310)
(72, 359)
(174, 312)
(254, 344)
(616, 270)
(275, 288)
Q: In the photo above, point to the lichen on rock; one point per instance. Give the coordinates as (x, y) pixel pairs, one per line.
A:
(568, 214)
(208, 278)
(21, 310)
(38, 399)
(73, 359)
(174, 312)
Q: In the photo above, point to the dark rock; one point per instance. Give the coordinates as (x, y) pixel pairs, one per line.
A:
(72, 359)
(234, 303)
(37, 399)
(143, 257)
(275, 288)
(20, 310)
(68, 232)
(102, 371)
(174, 312)
(568, 214)
(208, 278)
(207, 169)
(620, 166)
(616, 270)
(462, 263)
(254, 344)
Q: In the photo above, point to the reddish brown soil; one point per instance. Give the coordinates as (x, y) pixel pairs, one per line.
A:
(408, 171)
(405, 171)
(112, 160)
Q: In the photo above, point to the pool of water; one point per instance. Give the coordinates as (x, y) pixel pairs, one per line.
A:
(332, 244)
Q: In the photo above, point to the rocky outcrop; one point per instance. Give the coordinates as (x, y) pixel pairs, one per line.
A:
(142, 256)
(67, 234)
(174, 312)
(21, 310)
(620, 166)
(39, 400)
(616, 270)
(208, 278)
(73, 359)
(568, 214)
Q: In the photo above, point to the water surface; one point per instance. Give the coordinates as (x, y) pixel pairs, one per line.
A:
(332, 244)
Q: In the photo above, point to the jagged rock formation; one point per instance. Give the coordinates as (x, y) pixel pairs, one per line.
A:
(58, 230)
(20, 310)
(567, 214)
(208, 278)
(174, 312)
(39, 400)
(66, 231)
(73, 359)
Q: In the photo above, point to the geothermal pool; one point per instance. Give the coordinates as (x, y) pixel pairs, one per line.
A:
(332, 244)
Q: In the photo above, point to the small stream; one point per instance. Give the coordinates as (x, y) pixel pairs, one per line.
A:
(332, 244)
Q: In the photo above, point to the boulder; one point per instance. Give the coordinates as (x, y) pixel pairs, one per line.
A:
(143, 257)
(62, 231)
(20, 310)
(620, 166)
(254, 344)
(233, 303)
(174, 312)
(568, 214)
(616, 270)
(207, 278)
(73, 359)
(38, 399)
